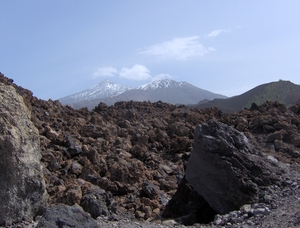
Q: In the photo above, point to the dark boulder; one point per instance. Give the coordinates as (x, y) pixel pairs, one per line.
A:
(96, 203)
(225, 168)
(62, 216)
(74, 146)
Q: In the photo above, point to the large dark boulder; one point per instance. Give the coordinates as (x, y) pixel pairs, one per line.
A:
(225, 168)
(22, 191)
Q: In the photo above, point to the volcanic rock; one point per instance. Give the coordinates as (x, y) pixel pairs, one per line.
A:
(22, 191)
(95, 202)
(59, 216)
(225, 169)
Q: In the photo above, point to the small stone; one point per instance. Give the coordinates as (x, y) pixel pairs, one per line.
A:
(170, 222)
(218, 221)
(139, 214)
(259, 211)
(237, 220)
(294, 184)
(245, 216)
(272, 159)
(76, 168)
(246, 208)
(267, 198)
(267, 211)
(250, 223)
(150, 190)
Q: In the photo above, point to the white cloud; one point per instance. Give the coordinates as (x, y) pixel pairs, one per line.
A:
(161, 76)
(178, 48)
(217, 32)
(137, 72)
(105, 72)
(211, 49)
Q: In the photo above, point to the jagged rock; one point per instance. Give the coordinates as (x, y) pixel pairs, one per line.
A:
(60, 216)
(73, 195)
(295, 108)
(23, 188)
(74, 146)
(150, 190)
(295, 139)
(277, 135)
(96, 203)
(225, 169)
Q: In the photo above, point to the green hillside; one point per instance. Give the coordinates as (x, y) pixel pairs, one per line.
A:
(282, 91)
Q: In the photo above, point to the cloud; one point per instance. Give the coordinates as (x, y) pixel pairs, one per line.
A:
(137, 72)
(161, 76)
(211, 49)
(217, 32)
(178, 48)
(105, 72)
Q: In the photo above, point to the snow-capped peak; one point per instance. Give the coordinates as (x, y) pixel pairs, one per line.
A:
(104, 89)
(106, 85)
(162, 84)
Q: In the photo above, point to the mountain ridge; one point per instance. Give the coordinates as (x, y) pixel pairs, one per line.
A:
(166, 90)
(160, 84)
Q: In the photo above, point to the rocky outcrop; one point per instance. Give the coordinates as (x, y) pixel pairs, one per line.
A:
(225, 169)
(22, 191)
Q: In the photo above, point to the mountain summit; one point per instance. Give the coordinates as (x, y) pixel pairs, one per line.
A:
(102, 90)
(162, 84)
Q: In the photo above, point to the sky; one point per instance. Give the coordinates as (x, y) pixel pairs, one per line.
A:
(56, 48)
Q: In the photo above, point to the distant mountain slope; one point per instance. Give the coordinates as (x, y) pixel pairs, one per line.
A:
(165, 90)
(101, 90)
(283, 91)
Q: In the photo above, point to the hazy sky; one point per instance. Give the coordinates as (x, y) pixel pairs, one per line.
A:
(56, 48)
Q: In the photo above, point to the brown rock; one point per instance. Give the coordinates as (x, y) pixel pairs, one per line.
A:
(73, 196)
(278, 135)
(295, 139)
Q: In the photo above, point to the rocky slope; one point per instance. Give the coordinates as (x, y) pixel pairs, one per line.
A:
(124, 162)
